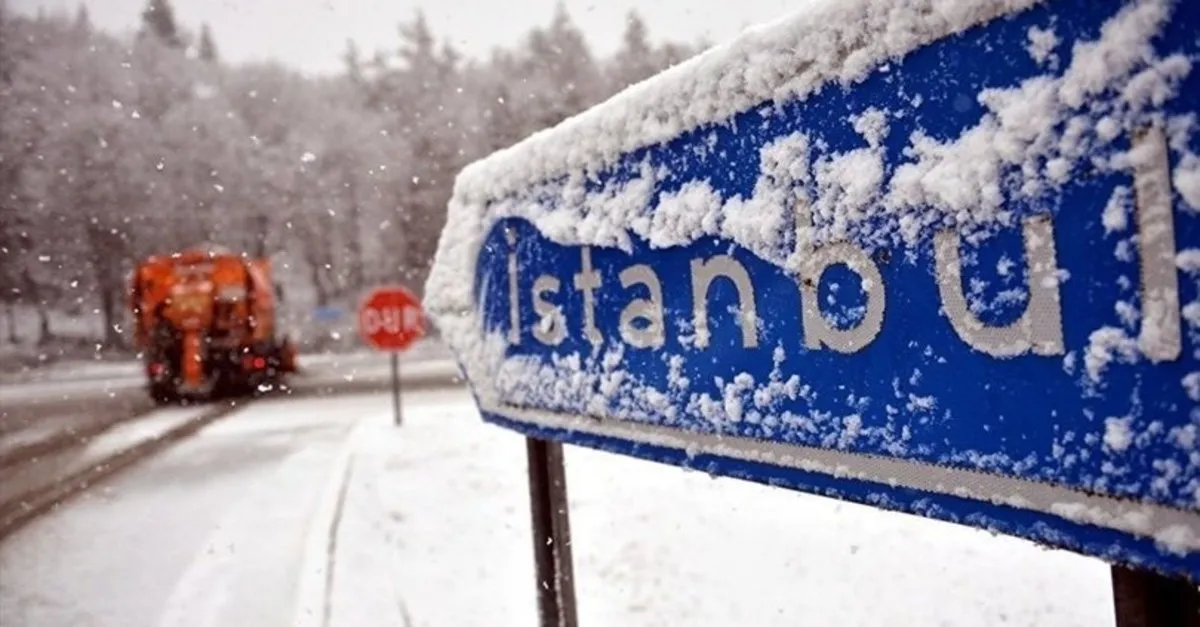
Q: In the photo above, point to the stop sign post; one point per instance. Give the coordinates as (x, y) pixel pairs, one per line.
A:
(390, 320)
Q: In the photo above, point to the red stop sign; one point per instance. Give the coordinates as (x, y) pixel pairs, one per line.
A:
(390, 319)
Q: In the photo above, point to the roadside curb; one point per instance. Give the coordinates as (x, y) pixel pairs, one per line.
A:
(313, 589)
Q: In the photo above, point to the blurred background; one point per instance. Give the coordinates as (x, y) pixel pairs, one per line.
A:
(127, 131)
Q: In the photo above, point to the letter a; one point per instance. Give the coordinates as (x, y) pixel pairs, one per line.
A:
(813, 261)
(650, 310)
(1040, 326)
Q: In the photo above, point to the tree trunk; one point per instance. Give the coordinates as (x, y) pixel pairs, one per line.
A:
(356, 272)
(10, 310)
(108, 305)
(261, 224)
(44, 333)
(107, 253)
(318, 284)
(315, 237)
(354, 245)
(34, 295)
(399, 249)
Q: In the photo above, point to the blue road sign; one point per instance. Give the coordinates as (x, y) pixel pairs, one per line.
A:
(942, 261)
(328, 313)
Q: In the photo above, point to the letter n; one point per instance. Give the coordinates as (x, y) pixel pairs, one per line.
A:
(703, 275)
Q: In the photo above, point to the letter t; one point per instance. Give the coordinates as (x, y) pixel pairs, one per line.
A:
(586, 281)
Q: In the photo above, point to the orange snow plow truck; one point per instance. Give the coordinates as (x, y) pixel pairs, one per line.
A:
(205, 323)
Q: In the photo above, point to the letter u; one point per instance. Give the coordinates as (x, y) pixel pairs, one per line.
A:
(1039, 329)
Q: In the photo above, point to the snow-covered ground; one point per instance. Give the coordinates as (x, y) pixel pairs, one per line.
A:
(233, 527)
(655, 545)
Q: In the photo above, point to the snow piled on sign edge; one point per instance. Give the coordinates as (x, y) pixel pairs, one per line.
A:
(784, 60)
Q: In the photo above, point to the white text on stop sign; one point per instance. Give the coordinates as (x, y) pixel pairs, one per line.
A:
(390, 320)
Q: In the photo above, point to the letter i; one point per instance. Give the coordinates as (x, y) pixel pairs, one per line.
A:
(514, 304)
(1161, 337)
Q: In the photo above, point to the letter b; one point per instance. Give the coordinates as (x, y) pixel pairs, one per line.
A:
(813, 261)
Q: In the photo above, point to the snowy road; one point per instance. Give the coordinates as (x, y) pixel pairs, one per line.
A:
(212, 532)
(233, 527)
(58, 407)
(81, 382)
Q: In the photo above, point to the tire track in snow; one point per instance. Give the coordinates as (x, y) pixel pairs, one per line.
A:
(315, 586)
(331, 547)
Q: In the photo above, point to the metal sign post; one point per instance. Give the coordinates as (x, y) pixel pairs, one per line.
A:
(396, 388)
(1144, 598)
(551, 534)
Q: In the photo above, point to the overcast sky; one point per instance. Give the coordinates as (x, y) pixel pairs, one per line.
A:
(311, 34)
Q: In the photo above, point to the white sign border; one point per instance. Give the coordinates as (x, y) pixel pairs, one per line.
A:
(1138, 519)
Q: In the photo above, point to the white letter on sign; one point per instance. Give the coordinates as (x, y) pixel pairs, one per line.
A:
(392, 317)
(514, 305)
(1039, 328)
(551, 327)
(650, 310)
(703, 274)
(370, 321)
(588, 280)
(813, 262)
(412, 318)
(1161, 337)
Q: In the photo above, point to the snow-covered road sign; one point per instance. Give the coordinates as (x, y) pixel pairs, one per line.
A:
(938, 257)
